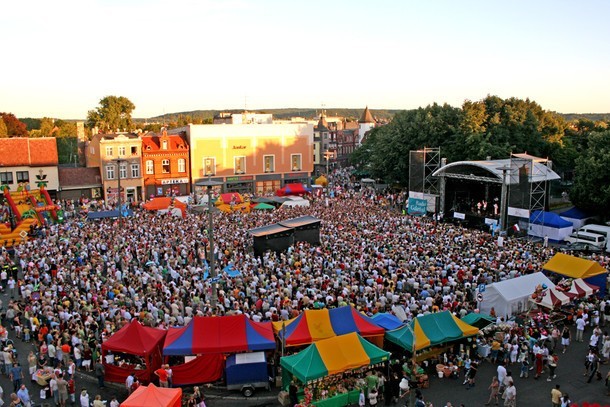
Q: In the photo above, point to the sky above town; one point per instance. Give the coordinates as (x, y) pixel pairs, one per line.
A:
(59, 58)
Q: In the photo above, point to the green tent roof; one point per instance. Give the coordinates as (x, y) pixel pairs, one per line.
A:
(332, 356)
(478, 320)
(431, 330)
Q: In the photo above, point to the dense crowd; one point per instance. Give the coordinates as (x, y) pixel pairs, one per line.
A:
(80, 281)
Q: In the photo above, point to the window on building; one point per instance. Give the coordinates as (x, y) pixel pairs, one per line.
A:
(122, 150)
(165, 165)
(23, 176)
(6, 178)
(109, 152)
(181, 165)
(269, 162)
(164, 145)
(150, 167)
(295, 160)
(123, 170)
(240, 165)
(110, 172)
(209, 166)
(135, 170)
(134, 150)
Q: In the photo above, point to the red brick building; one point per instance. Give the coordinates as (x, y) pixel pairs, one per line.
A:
(166, 166)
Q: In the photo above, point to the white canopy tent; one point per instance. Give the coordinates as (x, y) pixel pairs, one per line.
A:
(510, 297)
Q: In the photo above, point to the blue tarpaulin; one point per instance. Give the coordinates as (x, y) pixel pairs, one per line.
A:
(574, 213)
(387, 321)
(108, 214)
(549, 219)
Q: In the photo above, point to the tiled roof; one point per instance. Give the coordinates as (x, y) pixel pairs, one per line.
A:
(152, 142)
(34, 152)
(79, 177)
(366, 117)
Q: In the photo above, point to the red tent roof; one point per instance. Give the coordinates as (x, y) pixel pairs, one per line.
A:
(135, 339)
(153, 396)
(226, 334)
(163, 202)
(292, 189)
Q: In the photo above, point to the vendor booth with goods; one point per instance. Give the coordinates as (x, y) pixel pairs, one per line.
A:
(511, 297)
(331, 370)
(432, 338)
(205, 340)
(565, 266)
(133, 349)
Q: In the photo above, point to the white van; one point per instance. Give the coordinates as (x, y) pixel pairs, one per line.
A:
(587, 238)
(598, 230)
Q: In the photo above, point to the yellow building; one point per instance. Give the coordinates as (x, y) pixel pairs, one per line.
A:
(119, 158)
(250, 158)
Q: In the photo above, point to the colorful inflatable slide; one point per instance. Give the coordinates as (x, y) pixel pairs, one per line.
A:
(27, 208)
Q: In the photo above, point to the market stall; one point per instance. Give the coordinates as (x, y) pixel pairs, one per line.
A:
(133, 349)
(431, 330)
(551, 298)
(563, 265)
(511, 297)
(387, 321)
(208, 338)
(478, 320)
(324, 361)
(153, 396)
(581, 289)
(314, 325)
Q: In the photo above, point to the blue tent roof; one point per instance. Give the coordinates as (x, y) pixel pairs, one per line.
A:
(387, 321)
(574, 213)
(549, 219)
(107, 214)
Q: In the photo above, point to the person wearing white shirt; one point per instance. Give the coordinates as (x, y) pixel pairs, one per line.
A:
(580, 328)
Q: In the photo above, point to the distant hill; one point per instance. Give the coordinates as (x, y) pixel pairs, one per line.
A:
(287, 113)
(595, 117)
(349, 113)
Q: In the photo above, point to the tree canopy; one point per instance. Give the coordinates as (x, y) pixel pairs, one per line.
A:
(14, 127)
(113, 114)
(591, 189)
(492, 127)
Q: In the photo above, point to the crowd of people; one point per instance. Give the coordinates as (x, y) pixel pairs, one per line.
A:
(80, 281)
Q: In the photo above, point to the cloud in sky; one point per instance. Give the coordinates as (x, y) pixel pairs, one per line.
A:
(178, 55)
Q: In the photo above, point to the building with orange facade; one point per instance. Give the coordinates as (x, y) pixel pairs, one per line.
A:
(165, 159)
(119, 158)
(250, 158)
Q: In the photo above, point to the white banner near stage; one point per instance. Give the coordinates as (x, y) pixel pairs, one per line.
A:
(459, 215)
(518, 212)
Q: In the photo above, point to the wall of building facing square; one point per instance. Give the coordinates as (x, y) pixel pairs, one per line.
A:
(251, 158)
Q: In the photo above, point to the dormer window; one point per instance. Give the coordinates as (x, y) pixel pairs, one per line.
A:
(164, 144)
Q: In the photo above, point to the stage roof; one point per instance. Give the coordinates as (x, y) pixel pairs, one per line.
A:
(490, 170)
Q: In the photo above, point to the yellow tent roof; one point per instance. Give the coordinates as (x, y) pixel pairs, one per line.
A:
(573, 267)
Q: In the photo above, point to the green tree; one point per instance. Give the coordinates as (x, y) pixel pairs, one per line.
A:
(385, 154)
(14, 127)
(65, 129)
(113, 114)
(3, 129)
(591, 190)
(67, 150)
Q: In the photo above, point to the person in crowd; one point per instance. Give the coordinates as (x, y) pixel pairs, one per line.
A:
(494, 389)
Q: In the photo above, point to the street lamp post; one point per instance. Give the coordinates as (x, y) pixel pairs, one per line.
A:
(118, 162)
(209, 184)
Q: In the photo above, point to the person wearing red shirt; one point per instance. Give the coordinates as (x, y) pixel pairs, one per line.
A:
(162, 374)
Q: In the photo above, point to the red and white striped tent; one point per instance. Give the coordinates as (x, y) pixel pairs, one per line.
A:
(580, 288)
(553, 298)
